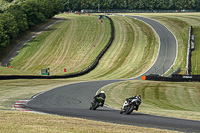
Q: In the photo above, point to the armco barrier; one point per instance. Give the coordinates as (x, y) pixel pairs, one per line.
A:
(177, 71)
(174, 78)
(188, 66)
(191, 47)
(133, 11)
(87, 70)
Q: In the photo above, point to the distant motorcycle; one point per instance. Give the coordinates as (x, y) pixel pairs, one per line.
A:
(130, 105)
(96, 103)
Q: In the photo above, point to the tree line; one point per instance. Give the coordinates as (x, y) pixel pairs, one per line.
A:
(20, 16)
(128, 4)
(17, 16)
(132, 4)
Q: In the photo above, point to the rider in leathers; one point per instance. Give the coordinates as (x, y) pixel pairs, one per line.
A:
(101, 94)
(135, 97)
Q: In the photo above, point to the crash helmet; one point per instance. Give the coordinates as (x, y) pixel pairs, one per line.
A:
(102, 92)
(139, 97)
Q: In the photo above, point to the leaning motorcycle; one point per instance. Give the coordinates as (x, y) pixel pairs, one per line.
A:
(96, 103)
(130, 105)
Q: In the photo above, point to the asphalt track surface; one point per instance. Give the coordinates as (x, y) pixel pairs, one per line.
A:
(74, 99)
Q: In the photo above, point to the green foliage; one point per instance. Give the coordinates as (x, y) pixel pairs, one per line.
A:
(3, 5)
(4, 39)
(9, 0)
(131, 4)
(20, 15)
(8, 28)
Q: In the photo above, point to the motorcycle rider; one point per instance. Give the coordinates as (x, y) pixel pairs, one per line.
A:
(101, 94)
(135, 97)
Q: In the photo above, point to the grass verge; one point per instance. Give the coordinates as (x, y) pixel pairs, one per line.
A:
(11, 121)
(24, 89)
(195, 53)
(179, 100)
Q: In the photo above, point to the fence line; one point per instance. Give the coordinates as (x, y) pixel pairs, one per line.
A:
(133, 11)
(177, 71)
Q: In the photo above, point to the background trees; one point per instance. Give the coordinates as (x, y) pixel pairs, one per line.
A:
(20, 15)
(131, 4)
(17, 16)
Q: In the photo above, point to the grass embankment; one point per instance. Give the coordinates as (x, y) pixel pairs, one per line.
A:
(133, 51)
(33, 123)
(68, 44)
(179, 100)
(179, 24)
(21, 37)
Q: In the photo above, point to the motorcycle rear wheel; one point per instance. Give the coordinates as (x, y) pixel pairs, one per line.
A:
(121, 111)
(95, 105)
(129, 109)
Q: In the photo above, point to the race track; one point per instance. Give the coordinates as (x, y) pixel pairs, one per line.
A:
(74, 99)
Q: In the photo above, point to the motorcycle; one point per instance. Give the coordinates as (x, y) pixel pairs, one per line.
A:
(96, 103)
(130, 105)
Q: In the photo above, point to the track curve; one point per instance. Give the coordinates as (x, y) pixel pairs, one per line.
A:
(74, 99)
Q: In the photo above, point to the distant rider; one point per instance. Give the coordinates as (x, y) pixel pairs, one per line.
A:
(101, 94)
(135, 97)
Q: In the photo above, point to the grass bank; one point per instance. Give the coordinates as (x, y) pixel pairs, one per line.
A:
(68, 44)
(179, 24)
(133, 51)
(171, 99)
(64, 45)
